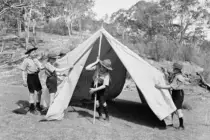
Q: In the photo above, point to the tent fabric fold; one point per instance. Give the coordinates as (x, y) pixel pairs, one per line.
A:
(77, 83)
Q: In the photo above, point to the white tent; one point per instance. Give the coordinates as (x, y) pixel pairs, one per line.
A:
(78, 82)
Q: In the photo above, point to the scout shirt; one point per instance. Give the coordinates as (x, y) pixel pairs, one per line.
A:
(102, 78)
(49, 69)
(31, 65)
(178, 82)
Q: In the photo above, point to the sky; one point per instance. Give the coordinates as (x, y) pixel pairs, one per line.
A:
(103, 7)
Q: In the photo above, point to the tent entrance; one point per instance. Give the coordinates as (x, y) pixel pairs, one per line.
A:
(118, 75)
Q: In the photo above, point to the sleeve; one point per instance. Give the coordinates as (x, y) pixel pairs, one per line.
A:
(38, 63)
(94, 68)
(24, 65)
(180, 78)
(178, 82)
(50, 67)
(106, 80)
(174, 83)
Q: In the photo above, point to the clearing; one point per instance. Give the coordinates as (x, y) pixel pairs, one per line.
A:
(130, 120)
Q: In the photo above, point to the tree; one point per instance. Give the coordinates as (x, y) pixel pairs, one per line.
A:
(15, 12)
(70, 10)
(190, 18)
(179, 23)
(122, 22)
(32, 13)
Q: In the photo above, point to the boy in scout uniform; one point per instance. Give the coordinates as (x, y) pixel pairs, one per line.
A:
(177, 85)
(31, 67)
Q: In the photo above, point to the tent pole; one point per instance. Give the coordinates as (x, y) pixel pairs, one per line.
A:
(96, 83)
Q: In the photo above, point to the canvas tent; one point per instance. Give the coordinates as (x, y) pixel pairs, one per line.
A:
(77, 84)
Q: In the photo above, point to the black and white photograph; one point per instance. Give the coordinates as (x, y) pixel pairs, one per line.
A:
(104, 69)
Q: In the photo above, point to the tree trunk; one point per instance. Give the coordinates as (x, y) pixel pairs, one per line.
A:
(27, 28)
(68, 26)
(34, 31)
(69, 30)
(71, 27)
(27, 36)
(19, 26)
(19, 23)
(27, 33)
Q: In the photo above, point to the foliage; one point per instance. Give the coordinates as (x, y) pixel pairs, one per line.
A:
(56, 27)
(70, 10)
(170, 29)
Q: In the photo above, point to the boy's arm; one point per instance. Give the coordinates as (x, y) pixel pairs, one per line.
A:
(99, 88)
(172, 85)
(24, 78)
(39, 64)
(163, 86)
(180, 83)
(165, 71)
(105, 84)
(93, 65)
(23, 67)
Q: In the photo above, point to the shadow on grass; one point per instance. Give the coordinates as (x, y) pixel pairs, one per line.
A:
(23, 107)
(126, 110)
(84, 114)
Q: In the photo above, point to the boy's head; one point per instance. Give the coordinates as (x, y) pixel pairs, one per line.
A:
(31, 52)
(105, 65)
(177, 68)
(63, 52)
(52, 57)
(51, 60)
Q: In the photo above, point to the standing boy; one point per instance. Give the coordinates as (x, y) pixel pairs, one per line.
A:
(30, 74)
(102, 78)
(178, 83)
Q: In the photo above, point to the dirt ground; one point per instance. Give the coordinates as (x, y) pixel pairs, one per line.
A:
(129, 120)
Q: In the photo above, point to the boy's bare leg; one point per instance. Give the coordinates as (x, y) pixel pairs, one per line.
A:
(39, 95)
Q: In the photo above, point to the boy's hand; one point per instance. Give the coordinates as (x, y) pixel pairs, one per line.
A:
(92, 90)
(157, 86)
(98, 60)
(25, 84)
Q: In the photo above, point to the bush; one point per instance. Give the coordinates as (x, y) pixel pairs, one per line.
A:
(56, 27)
(205, 64)
(186, 53)
(154, 50)
(202, 58)
(169, 51)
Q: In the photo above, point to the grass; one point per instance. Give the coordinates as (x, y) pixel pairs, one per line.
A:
(129, 119)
